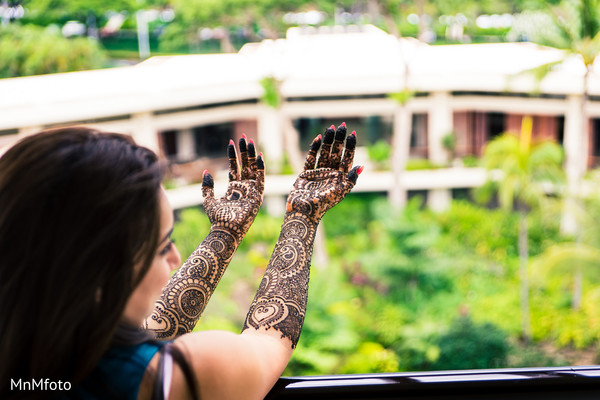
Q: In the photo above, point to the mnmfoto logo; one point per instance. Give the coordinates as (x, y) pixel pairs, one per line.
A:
(39, 384)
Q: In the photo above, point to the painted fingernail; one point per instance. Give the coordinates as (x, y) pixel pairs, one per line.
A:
(260, 164)
(351, 142)
(251, 149)
(205, 172)
(244, 135)
(340, 134)
(329, 135)
(231, 143)
(315, 145)
(319, 137)
(207, 180)
(353, 133)
(360, 169)
(251, 141)
(344, 124)
(332, 127)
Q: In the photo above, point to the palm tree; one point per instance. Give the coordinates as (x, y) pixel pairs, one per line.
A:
(522, 172)
(579, 26)
(582, 257)
(576, 29)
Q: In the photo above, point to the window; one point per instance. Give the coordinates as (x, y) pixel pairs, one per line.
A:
(209, 140)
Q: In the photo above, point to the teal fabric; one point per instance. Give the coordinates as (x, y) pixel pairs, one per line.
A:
(118, 374)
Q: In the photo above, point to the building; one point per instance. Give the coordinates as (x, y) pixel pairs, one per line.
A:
(188, 107)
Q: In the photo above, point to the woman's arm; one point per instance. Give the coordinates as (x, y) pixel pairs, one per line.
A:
(280, 302)
(184, 298)
(229, 366)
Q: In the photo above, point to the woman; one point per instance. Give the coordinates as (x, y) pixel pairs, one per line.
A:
(85, 260)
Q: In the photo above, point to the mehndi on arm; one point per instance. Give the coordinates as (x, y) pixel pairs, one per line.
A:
(280, 302)
(184, 298)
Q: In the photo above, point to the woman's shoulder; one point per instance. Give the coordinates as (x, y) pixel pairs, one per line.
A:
(227, 365)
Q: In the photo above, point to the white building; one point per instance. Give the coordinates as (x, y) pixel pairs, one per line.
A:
(188, 107)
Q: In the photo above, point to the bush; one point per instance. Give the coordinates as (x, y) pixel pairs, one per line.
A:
(468, 345)
(379, 153)
(30, 50)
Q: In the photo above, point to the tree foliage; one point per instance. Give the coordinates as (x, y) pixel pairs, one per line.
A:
(46, 12)
(408, 290)
(30, 50)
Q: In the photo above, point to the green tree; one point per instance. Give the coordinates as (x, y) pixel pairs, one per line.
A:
(46, 12)
(524, 170)
(581, 258)
(31, 50)
(576, 29)
(468, 345)
(256, 18)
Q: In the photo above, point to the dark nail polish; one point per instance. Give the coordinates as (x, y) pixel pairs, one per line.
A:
(260, 164)
(208, 180)
(351, 142)
(329, 135)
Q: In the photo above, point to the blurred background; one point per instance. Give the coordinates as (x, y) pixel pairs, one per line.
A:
(472, 238)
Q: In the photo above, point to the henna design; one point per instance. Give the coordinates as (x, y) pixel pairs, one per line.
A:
(311, 159)
(280, 301)
(324, 156)
(184, 298)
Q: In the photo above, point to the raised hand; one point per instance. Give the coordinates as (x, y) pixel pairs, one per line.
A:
(280, 302)
(236, 210)
(318, 189)
(184, 298)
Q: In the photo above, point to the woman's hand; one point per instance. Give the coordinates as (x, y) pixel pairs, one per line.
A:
(236, 210)
(184, 298)
(318, 189)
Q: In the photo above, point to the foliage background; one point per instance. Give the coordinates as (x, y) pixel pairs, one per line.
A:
(413, 290)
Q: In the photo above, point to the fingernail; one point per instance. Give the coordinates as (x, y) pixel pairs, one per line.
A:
(244, 135)
(205, 172)
(251, 141)
(344, 124)
(261, 154)
(332, 127)
(231, 142)
(319, 137)
(360, 169)
(354, 133)
(260, 164)
(208, 180)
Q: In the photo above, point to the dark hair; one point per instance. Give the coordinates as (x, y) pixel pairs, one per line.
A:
(78, 210)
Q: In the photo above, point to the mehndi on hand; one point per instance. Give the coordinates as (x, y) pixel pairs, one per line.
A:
(236, 210)
(279, 305)
(325, 181)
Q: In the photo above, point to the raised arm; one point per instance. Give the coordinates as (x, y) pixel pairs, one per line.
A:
(184, 298)
(280, 303)
(230, 366)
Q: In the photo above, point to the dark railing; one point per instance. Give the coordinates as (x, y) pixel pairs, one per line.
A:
(569, 383)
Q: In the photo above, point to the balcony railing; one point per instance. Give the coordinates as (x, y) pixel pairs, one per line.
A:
(572, 383)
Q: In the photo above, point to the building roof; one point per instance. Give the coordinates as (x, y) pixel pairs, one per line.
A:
(336, 62)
